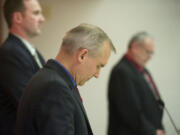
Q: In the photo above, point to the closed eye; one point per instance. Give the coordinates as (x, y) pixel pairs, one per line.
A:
(100, 66)
(36, 12)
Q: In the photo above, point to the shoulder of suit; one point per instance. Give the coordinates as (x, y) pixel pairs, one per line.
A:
(12, 44)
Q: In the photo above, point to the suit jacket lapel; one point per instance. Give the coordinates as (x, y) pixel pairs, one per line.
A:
(21, 44)
(77, 97)
(18, 42)
(141, 77)
(40, 57)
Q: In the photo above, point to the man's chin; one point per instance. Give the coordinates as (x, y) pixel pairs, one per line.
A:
(37, 32)
(34, 34)
(81, 83)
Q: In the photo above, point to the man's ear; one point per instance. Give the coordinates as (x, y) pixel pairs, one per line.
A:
(17, 17)
(134, 47)
(82, 55)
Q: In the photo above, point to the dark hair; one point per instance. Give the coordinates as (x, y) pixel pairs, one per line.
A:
(11, 6)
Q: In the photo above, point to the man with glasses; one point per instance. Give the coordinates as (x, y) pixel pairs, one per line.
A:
(135, 105)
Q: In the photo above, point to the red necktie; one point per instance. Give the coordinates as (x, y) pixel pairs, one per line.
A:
(152, 84)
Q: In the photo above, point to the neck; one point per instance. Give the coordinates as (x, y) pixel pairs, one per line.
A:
(19, 32)
(65, 60)
(69, 61)
(135, 58)
(130, 54)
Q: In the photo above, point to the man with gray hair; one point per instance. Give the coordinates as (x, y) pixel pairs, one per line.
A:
(135, 105)
(51, 103)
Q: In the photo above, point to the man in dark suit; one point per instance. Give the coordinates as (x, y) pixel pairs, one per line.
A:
(19, 60)
(51, 103)
(135, 106)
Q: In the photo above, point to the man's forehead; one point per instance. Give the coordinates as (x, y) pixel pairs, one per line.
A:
(34, 2)
(32, 5)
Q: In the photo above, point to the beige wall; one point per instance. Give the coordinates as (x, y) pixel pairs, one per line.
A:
(120, 19)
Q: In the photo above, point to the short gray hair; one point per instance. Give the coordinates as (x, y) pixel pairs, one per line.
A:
(86, 36)
(139, 38)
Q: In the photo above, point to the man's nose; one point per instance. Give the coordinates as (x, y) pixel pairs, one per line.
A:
(96, 75)
(42, 18)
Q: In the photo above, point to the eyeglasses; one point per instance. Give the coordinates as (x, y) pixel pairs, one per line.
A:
(148, 52)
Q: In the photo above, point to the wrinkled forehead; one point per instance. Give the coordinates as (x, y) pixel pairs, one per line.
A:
(106, 50)
(105, 53)
(148, 42)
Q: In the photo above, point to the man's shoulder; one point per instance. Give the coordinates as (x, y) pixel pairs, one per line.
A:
(47, 83)
(123, 65)
(50, 77)
(14, 48)
(124, 69)
(12, 44)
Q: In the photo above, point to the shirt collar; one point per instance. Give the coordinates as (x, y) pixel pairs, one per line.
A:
(60, 65)
(132, 61)
(27, 45)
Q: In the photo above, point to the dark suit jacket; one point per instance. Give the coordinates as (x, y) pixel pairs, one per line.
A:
(51, 105)
(133, 109)
(17, 66)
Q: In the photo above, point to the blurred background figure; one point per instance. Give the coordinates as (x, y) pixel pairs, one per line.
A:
(19, 60)
(135, 105)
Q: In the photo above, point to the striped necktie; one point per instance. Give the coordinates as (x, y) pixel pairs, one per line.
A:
(36, 57)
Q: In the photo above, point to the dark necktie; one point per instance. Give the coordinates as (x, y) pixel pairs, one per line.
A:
(151, 83)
